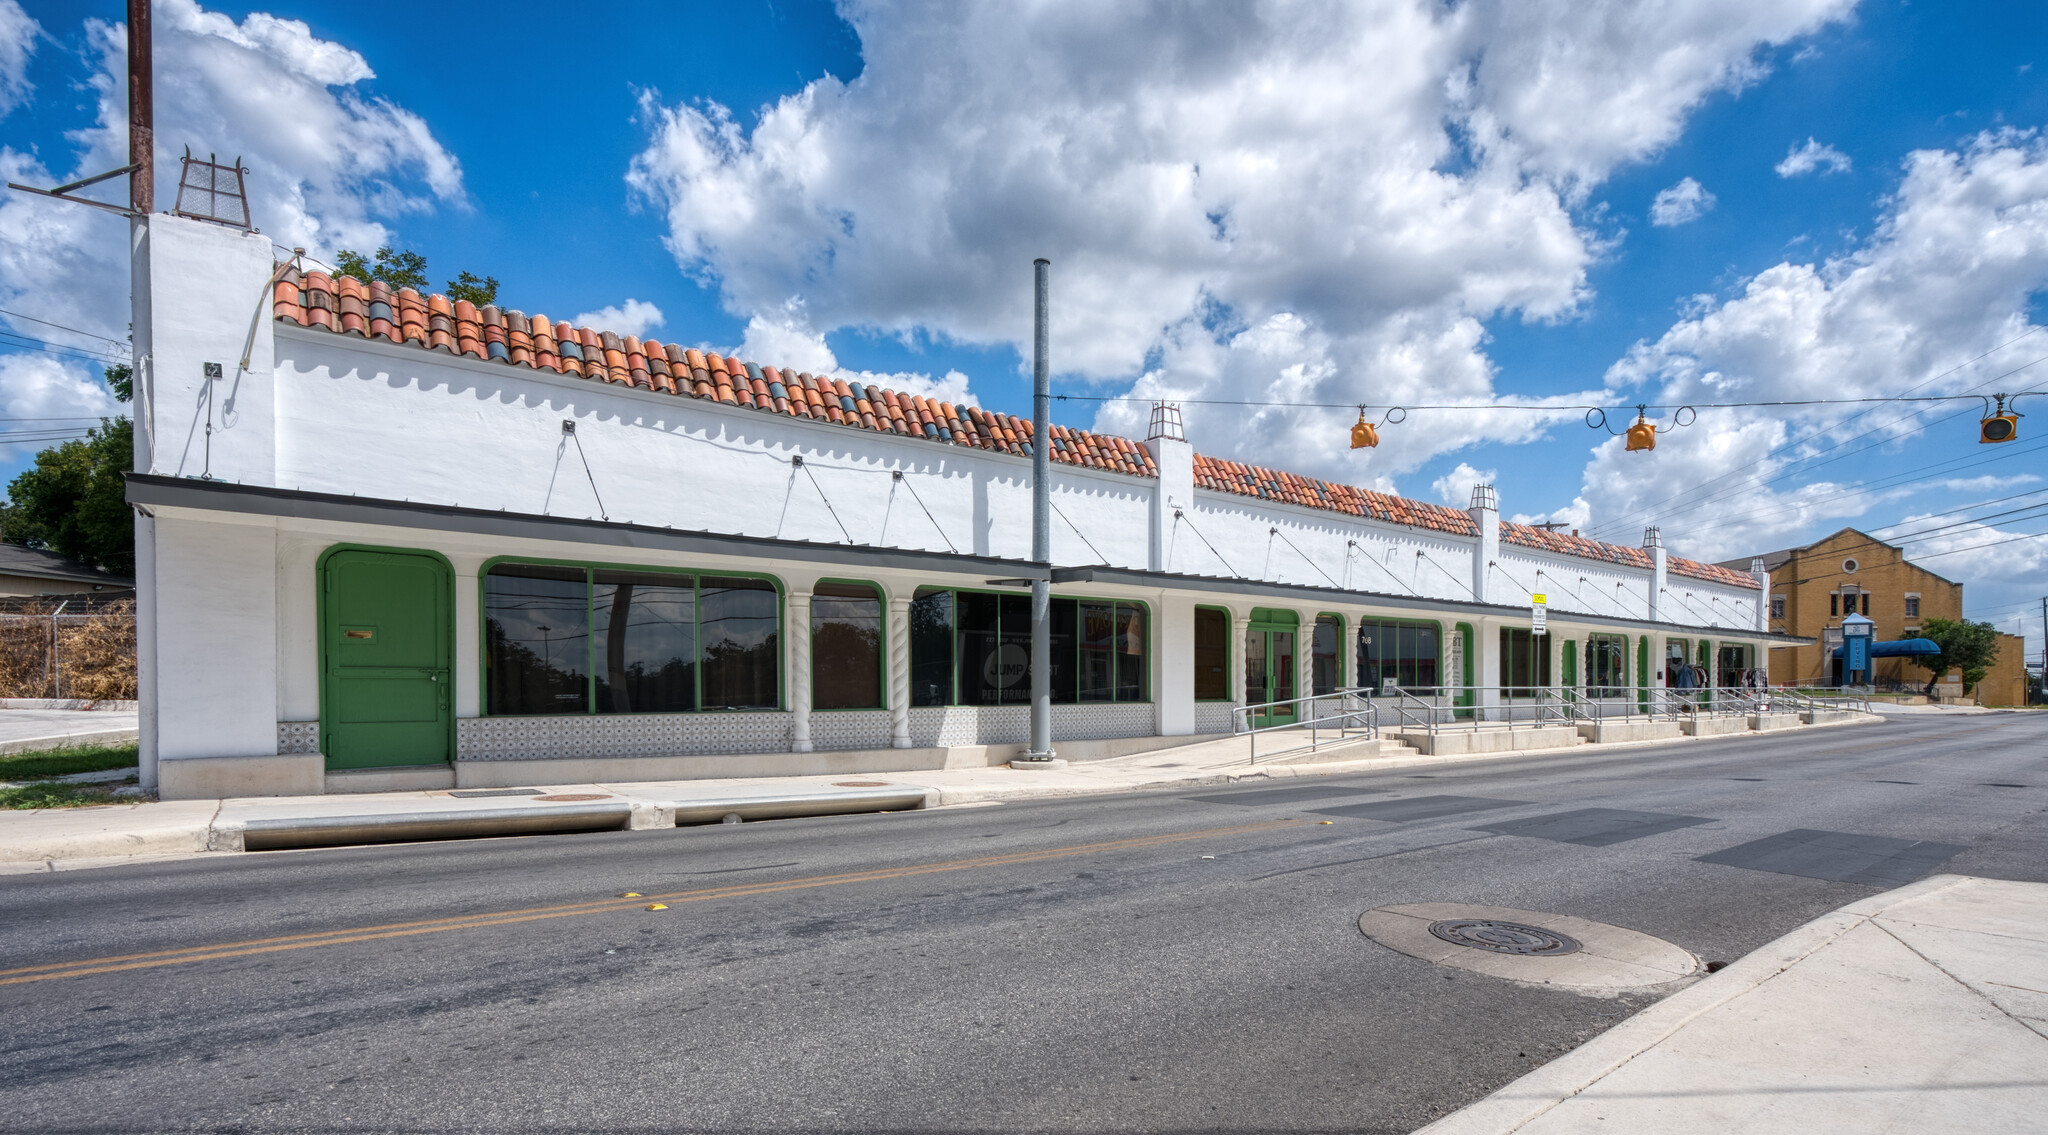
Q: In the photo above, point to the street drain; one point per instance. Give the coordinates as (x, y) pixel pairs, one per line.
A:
(860, 784)
(566, 797)
(479, 793)
(1504, 937)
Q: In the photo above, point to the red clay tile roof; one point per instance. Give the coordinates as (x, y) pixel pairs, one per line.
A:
(1529, 536)
(375, 310)
(1224, 476)
(1712, 573)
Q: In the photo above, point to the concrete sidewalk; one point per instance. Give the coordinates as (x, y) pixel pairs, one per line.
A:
(1923, 1009)
(65, 838)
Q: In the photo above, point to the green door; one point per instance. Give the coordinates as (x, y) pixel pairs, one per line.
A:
(1270, 666)
(385, 653)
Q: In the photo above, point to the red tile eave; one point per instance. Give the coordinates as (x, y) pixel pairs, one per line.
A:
(375, 311)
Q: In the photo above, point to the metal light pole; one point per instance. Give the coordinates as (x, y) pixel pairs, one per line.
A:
(1041, 523)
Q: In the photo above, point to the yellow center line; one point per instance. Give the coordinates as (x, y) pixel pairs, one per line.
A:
(117, 963)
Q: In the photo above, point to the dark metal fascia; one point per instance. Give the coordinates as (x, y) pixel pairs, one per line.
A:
(261, 500)
(1294, 591)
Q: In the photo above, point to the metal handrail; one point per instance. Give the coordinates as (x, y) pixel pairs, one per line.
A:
(1349, 721)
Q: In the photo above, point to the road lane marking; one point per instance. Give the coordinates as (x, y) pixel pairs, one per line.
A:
(122, 962)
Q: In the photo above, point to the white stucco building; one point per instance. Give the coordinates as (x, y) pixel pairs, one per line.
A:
(377, 530)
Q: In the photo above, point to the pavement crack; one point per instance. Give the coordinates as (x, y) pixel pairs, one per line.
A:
(1946, 972)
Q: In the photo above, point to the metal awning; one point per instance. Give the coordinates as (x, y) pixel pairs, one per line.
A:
(1900, 648)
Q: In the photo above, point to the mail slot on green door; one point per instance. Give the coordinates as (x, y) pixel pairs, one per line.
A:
(385, 679)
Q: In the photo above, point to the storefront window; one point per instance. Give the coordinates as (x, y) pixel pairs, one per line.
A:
(931, 648)
(1607, 666)
(1212, 654)
(537, 635)
(565, 639)
(1325, 655)
(1403, 652)
(974, 648)
(646, 642)
(1524, 661)
(846, 647)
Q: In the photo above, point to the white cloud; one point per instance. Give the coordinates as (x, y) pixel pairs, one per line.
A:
(1949, 272)
(328, 165)
(1686, 201)
(783, 339)
(34, 386)
(18, 36)
(1800, 160)
(634, 317)
(1455, 487)
(1317, 201)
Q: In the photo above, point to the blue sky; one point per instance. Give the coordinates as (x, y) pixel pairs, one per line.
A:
(1239, 209)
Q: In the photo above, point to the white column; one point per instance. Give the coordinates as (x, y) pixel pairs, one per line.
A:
(1241, 629)
(1173, 653)
(1486, 667)
(899, 672)
(799, 623)
(1304, 655)
(145, 645)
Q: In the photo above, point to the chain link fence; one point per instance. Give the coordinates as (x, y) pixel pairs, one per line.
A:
(68, 649)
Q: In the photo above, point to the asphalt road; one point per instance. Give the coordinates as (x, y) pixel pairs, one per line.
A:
(1072, 965)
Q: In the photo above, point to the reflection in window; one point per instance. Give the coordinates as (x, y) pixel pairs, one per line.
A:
(1098, 649)
(1212, 654)
(738, 623)
(846, 647)
(931, 648)
(575, 640)
(1607, 666)
(1397, 651)
(537, 635)
(1325, 655)
(646, 642)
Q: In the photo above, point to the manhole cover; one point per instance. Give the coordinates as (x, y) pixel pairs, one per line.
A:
(568, 796)
(860, 784)
(1504, 937)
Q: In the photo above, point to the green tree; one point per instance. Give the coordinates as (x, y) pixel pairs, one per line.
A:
(72, 501)
(481, 292)
(406, 269)
(1966, 646)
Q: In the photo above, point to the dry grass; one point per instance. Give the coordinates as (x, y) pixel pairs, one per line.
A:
(95, 654)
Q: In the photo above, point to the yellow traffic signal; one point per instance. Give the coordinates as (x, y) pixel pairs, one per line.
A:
(1642, 435)
(1363, 435)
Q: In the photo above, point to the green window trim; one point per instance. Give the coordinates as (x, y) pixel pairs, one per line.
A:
(1378, 624)
(1146, 677)
(1468, 641)
(1643, 671)
(590, 568)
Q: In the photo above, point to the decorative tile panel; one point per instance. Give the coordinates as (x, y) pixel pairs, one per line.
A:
(934, 726)
(1213, 716)
(850, 729)
(620, 735)
(298, 737)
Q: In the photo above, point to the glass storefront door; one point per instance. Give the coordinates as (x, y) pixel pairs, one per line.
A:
(1270, 667)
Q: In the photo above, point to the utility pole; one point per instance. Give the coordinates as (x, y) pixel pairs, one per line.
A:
(1040, 749)
(141, 113)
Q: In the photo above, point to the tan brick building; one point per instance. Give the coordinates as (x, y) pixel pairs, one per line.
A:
(1814, 587)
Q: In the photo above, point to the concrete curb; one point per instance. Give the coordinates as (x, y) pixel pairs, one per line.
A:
(223, 827)
(1524, 1100)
